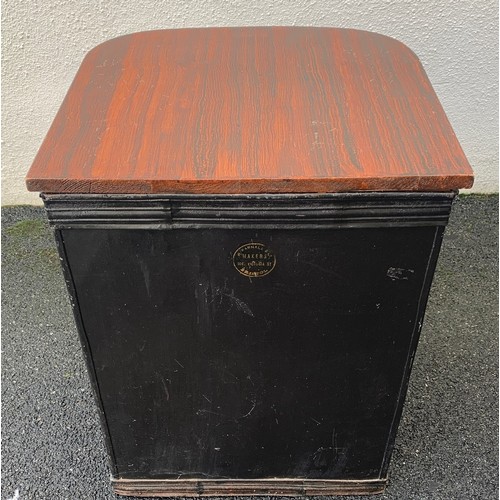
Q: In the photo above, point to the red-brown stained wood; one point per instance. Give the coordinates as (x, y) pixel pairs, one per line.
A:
(250, 110)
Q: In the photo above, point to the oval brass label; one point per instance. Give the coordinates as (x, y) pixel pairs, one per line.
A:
(254, 260)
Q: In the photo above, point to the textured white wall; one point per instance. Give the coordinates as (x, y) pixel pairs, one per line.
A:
(44, 42)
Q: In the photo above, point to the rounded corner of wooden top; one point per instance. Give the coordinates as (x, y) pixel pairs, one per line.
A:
(117, 40)
(389, 41)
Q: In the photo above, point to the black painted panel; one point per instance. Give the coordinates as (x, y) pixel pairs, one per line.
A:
(204, 372)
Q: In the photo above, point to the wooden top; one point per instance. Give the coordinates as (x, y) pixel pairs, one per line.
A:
(250, 110)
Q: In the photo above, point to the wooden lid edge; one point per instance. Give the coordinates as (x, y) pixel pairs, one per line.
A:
(231, 186)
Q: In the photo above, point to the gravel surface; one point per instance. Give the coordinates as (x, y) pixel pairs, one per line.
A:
(447, 446)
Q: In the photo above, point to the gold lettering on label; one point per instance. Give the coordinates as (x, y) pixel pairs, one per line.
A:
(254, 260)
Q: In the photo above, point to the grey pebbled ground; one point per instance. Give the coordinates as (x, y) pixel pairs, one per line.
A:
(447, 446)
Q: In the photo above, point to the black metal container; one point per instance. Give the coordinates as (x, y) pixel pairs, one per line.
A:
(249, 344)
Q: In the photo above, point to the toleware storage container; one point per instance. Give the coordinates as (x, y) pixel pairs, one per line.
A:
(249, 220)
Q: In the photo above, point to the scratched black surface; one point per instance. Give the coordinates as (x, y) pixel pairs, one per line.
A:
(446, 445)
(206, 373)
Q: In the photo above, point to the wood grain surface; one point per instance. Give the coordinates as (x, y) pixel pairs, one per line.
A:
(250, 110)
